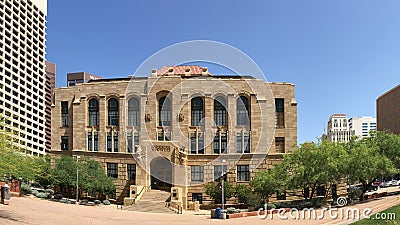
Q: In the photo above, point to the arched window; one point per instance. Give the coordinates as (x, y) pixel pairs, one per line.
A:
(220, 111)
(113, 112)
(93, 110)
(133, 112)
(196, 111)
(164, 111)
(242, 110)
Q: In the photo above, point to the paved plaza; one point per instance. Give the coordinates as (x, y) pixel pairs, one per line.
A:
(26, 210)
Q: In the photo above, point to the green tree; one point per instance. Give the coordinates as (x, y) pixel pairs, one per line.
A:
(243, 193)
(364, 163)
(14, 162)
(92, 178)
(214, 190)
(268, 182)
(315, 164)
(388, 145)
(44, 174)
(64, 172)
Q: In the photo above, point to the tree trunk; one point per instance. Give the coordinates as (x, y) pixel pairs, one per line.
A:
(313, 189)
(366, 186)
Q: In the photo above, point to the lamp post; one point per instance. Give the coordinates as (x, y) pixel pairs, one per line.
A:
(222, 182)
(77, 178)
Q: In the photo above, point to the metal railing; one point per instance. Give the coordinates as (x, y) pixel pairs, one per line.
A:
(138, 195)
(174, 206)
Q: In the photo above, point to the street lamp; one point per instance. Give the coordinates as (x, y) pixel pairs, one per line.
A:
(222, 178)
(77, 177)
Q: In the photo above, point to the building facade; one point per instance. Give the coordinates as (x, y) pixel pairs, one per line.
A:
(388, 111)
(51, 71)
(338, 128)
(80, 77)
(22, 71)
(181, 127)
(362, 126)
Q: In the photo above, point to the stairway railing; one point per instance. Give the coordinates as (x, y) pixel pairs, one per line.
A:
(138, 196)
(175, 207)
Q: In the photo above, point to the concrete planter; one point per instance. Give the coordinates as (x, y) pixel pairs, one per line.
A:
(254, 213)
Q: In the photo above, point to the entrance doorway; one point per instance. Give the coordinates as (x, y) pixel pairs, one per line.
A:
(161, 174)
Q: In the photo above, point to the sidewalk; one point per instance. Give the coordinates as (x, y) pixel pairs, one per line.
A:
(36, 211)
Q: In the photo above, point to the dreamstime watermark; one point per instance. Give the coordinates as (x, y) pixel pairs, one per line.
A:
(313, 214)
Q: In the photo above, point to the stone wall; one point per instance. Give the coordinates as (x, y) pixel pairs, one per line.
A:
(180, 90)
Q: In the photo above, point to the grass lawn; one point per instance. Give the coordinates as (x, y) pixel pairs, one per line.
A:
(388, 216)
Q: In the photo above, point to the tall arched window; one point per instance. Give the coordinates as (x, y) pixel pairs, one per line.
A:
(113, 112)
(93, 110)
(220, 111)
(242, 110)
(133, 112)
(197, 111)
(164, 111)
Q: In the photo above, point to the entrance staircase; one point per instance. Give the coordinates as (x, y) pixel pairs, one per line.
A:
(153, 202)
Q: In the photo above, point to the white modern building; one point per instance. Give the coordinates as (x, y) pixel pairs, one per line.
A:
(341, 129)
(22, 71)
(361, 126)
(338, 128)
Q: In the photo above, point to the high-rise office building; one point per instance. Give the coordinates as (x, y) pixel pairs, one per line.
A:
(362, 126)
(22, 71)
(388, 111)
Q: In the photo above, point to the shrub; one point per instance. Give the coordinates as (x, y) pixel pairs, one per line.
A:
(106, 202)
(42, 195)
(279, 205)
(25, 189)
(306, 205)
(243, 193)
(97, 202)
(64, 200)
(35, 192)
(58, 196)
(271, 206)
(230, 210)
(49, 191)
(255, 202)
(355, 194)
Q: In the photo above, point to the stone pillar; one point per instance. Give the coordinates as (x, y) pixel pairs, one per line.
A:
(231, 109)
(102, 123)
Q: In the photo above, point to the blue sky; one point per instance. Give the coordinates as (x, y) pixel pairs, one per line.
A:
(341, 54)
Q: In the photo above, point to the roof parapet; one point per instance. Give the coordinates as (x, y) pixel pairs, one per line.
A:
(204, 71)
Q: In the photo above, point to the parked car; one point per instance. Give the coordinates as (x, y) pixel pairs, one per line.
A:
(386, 184)
(394, 182)
(377, 182)
(373, 188)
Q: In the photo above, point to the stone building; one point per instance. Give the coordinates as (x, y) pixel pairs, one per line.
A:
(178, 129)
(388, 111)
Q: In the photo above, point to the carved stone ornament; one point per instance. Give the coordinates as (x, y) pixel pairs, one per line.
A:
(181, 117)
(148, 117)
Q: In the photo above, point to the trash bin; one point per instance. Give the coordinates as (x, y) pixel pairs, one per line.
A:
(5, 195)
(218, 213)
